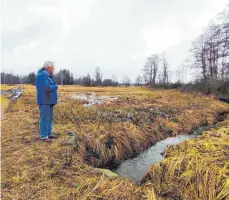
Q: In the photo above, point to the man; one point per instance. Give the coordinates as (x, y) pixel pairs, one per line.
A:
(46, 99)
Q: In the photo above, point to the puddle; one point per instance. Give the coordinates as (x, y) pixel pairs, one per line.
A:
(12, 94)
(93, 99)
(135, 169)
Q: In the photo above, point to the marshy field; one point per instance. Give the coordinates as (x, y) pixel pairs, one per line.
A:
(100, 128)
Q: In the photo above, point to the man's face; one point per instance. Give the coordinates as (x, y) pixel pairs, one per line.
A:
(50, 69)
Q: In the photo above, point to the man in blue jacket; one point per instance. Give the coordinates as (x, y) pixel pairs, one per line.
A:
(46, 99)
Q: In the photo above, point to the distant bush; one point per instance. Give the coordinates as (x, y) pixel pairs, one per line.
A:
(217, 88)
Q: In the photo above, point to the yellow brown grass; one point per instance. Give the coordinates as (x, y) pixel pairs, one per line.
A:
(35, 170)
(195, 169)
(154, 115)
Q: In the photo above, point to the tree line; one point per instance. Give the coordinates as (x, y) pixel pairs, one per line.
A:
(154, 71)
(210, 54)
(63, 77)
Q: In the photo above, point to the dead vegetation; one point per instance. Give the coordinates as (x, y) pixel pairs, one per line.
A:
(109, 133)
(105, 134)
(195, 169)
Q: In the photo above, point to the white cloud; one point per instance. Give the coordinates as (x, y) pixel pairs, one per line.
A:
(56, 48)
(49, 12)
(182, 24)
(73, 14)
(69, 13)
(17, 24)
(159, 37)
(117, 35)
(35, 44)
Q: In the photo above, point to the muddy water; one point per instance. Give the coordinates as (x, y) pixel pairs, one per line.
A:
(135, 169)
(93, 99)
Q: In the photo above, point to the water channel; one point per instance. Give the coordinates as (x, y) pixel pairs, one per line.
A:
(136, 168)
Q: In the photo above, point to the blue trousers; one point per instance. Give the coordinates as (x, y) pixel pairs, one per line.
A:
(46, 119)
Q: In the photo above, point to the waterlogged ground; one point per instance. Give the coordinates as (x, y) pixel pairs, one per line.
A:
(108, 133)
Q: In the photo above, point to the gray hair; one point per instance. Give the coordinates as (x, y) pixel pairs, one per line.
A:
(48, 64)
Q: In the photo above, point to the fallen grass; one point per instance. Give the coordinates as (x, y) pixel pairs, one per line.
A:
(195, 169)
(117, 130)
(35, 170)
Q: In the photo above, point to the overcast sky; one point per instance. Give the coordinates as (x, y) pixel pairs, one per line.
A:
(116, 35)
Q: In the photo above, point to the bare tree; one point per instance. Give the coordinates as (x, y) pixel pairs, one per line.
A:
(212, 48)
(210, 52)
(165, 76)
(126, 81)
(224, 17)
(198, 51)
(98, 76)
(138, 80)
(170, 76)
(151, 68)
(145, 79)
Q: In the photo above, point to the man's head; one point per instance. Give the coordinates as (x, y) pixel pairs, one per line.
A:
(49, 67)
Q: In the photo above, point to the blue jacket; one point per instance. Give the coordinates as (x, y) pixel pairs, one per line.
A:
(46, 88)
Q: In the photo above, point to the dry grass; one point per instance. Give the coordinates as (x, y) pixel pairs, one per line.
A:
(4, 103)
(195, 169)
(105, 134)
(35, 170)
(7, 87)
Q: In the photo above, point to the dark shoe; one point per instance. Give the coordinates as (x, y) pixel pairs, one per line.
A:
(46, 140)
(52, 137)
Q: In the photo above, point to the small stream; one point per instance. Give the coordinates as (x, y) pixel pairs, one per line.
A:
(135, 169)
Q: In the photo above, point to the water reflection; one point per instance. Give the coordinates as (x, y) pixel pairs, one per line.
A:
(135, 169)
(93, 99)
